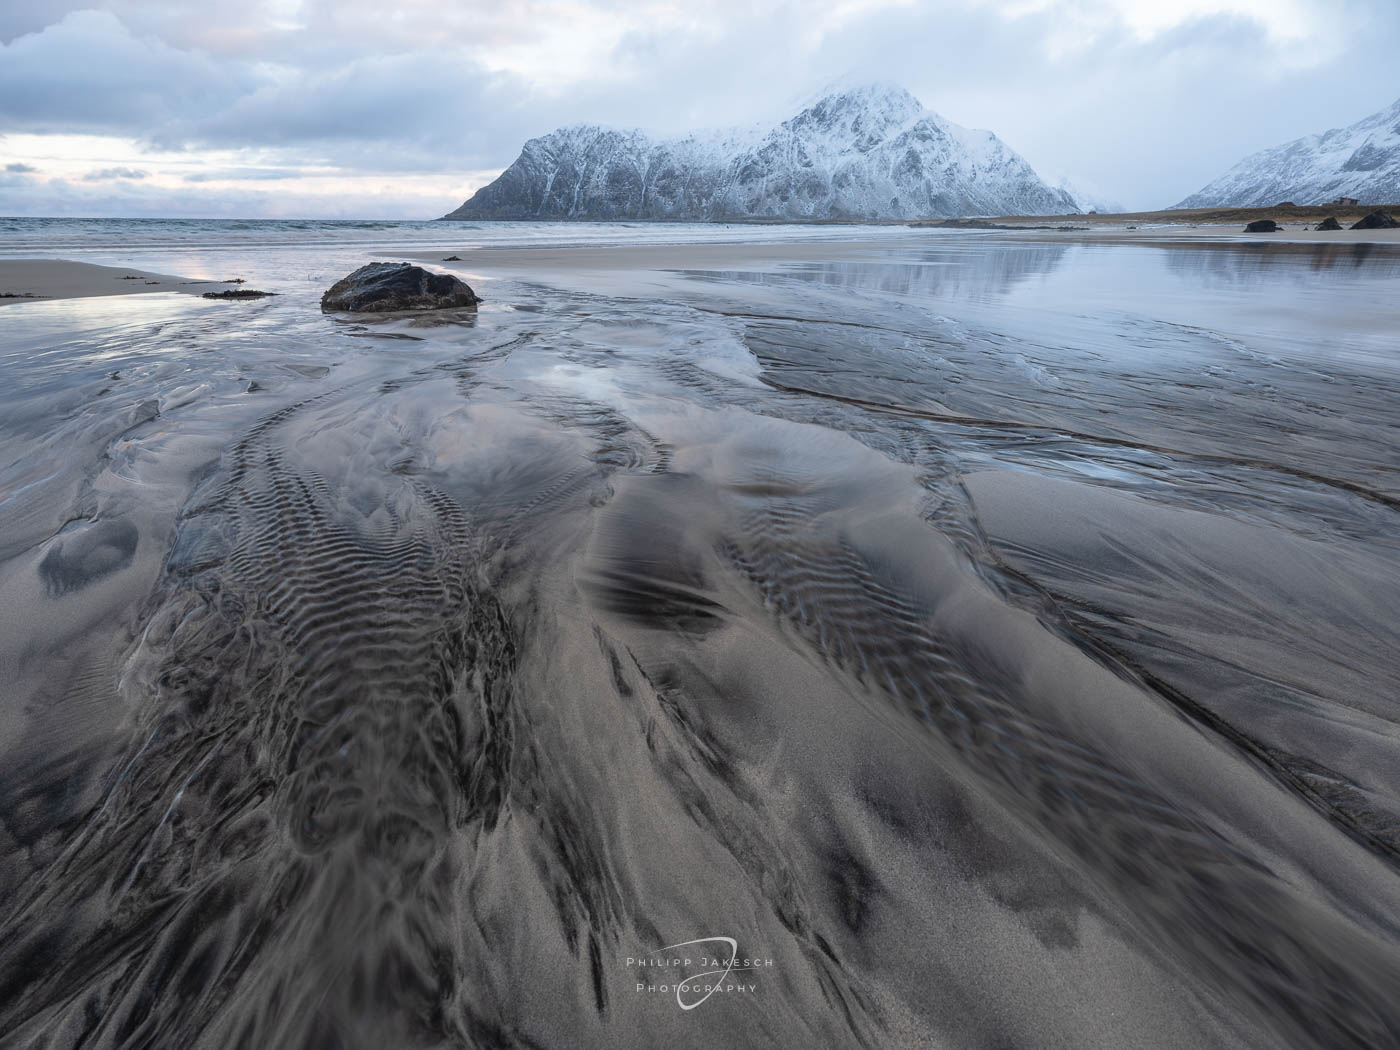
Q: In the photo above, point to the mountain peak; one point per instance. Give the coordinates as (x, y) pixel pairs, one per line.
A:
(860, 150)
(855, 87)
(888, 103)
(867, 92)
(860, 116)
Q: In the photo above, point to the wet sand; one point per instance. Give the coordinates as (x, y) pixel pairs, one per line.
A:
(995, 636)
(1289, 231)
(26, 280)
(865, 245)
(1294, 217)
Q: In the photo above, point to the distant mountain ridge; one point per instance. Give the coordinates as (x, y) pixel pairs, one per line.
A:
(872, 152)
(1361, 161)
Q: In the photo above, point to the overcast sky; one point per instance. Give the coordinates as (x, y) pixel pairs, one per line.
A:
(402, 108)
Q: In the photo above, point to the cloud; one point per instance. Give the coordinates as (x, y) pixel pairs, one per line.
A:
(89, 73)
(1147, 100)
(364, 199)
(243, 175)
(437, 110)
(18, 168)
(107, 174)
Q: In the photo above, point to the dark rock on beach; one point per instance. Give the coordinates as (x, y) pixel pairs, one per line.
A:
(1329, 223)
(1377, 220)
(1262, 226)
(238, 293)
(386, 287)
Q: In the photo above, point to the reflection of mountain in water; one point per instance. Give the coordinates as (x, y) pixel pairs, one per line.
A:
(955, 274)
(1244, 265)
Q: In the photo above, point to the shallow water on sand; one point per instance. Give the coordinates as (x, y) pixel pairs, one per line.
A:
(995, 637)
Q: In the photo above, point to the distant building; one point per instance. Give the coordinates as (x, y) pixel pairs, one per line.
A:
(1346, 202)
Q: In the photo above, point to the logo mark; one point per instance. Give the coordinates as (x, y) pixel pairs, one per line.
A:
(718, 959)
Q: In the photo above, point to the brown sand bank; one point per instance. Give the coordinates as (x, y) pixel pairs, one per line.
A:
(1289, 217)
(29, 280)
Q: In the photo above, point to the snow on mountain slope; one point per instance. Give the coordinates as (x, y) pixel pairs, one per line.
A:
(866, 153)
(1086, 197)
(1361, 161)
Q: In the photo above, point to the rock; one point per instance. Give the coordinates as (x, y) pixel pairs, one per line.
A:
(1286, 204)
(1377, 220)
(453, 258)
(386, 287)
(238, 293)
(1262, 226)
(1329, 223)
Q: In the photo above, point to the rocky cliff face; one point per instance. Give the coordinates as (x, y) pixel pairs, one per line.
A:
(867, 153)
(1361, 161)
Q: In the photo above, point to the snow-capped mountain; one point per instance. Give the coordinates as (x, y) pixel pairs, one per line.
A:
(866, 153)
(1086, 198)
(1362, 161)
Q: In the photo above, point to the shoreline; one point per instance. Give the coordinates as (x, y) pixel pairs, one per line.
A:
(1231, 232)
(36, 280)
(45, 280)
(739, 254)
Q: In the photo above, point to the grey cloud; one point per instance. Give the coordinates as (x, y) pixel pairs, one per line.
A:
(107, 174)
(89, 73)
(243, 175)
(20, 169)
(19, 17)
(438, 111)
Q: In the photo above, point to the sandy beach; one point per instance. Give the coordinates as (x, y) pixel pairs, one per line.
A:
(993, 634)
(1291, 216)
(28, 280)
(586, 525)
(1288, 232)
